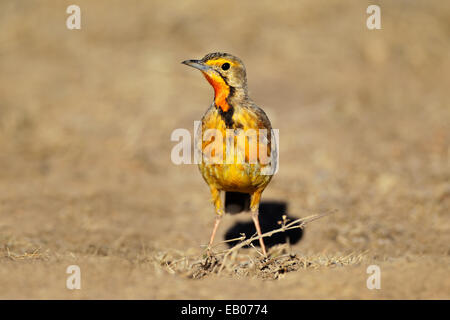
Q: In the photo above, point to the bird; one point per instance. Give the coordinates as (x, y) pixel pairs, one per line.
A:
(233, 112)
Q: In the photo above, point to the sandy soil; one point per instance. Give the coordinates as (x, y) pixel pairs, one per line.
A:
(86, 177)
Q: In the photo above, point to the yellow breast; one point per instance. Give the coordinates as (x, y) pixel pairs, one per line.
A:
(232, 158)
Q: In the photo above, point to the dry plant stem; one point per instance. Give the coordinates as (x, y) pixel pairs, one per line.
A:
(296, 224)
(241, 238)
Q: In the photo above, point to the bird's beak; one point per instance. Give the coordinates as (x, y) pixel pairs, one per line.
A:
(197, 64)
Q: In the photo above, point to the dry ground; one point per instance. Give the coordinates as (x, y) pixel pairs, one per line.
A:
(86, 176)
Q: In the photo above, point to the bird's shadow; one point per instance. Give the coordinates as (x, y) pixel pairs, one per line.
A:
(270, 213)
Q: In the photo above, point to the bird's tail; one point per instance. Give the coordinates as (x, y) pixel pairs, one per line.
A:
(236, 202)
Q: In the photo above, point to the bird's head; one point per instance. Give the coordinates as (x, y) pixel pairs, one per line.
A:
(226, 74)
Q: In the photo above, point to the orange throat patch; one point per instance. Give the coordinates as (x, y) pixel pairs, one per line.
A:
(221, 91)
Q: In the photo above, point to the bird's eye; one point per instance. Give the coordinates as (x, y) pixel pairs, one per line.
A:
(226, 66)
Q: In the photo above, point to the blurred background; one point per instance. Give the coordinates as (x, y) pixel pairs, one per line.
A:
(86, 117)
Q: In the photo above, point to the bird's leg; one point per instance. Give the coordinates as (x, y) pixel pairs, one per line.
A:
(219, 213)
(216, 226)
(258, 229)
(254, 207)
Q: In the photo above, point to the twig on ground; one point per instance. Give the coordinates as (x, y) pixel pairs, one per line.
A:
(296, 224)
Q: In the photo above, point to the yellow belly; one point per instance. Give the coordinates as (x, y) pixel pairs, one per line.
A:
(241, 172)
(245, 178)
